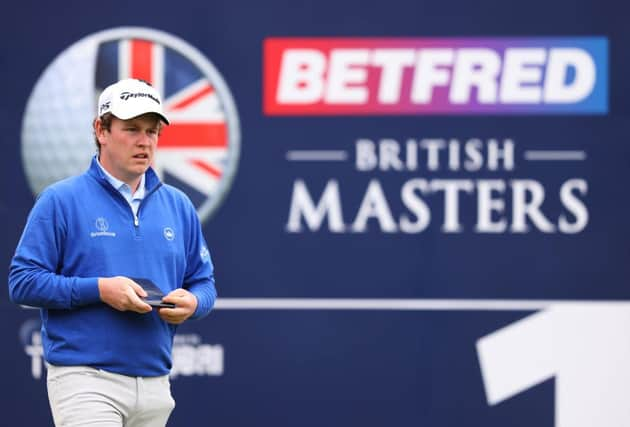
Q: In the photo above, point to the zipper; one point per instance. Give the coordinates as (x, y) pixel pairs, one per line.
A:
(136, 220)
(116, 193)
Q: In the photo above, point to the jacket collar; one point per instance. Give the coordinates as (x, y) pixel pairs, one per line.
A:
(152, 181)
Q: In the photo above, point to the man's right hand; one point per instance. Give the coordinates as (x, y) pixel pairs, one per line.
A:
(123, 294)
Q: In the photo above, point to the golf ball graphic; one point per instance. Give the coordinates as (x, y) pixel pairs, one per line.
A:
(198, 152)
(57, 140)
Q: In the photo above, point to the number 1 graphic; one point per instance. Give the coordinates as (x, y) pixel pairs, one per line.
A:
(586, 346)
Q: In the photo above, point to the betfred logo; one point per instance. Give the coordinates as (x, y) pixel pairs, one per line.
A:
(354, 76)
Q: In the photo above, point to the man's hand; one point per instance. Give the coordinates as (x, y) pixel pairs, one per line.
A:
(185, 305)
(123, 294)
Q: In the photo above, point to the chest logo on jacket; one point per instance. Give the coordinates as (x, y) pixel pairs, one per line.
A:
(102, 226)
(198, 152)
(169, 234)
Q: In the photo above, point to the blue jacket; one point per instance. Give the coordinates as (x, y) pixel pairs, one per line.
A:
(81, 229)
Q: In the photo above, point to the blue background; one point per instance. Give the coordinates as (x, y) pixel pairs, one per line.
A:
(346, 368)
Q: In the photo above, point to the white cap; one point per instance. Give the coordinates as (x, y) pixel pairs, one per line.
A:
(129, 98)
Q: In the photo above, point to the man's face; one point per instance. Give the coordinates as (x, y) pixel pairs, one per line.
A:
(127, 149)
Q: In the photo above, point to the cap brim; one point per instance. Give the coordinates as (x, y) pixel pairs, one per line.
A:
(129, 115)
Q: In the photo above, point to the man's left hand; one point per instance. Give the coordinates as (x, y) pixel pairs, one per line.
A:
(185, 305)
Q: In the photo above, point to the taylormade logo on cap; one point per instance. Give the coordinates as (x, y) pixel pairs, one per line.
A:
(126, 95)
(130, 98)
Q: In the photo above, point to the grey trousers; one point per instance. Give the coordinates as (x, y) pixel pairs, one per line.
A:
(85, 396)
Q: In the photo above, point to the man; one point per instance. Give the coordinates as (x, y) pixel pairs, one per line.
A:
(87, 243)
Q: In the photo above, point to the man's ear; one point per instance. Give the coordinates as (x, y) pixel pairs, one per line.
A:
(99, 130)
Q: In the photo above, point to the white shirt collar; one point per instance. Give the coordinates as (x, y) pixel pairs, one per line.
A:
(122, 186)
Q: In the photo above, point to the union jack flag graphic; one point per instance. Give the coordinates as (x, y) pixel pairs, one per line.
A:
(194, 151)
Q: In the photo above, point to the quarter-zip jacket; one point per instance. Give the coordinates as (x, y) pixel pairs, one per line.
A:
(81, 229)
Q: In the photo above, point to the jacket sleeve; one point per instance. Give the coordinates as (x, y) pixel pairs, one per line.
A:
(199, 277)
(33, 274)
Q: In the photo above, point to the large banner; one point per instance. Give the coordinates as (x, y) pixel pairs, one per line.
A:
(416, 211)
